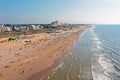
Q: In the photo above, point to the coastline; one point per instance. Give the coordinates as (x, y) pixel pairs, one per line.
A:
(43, 75)
(38, 61)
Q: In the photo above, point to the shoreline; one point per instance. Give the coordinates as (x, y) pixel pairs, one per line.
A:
(36, 60)
(44, 74)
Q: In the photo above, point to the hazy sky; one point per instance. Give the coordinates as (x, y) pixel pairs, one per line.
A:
(71, 11)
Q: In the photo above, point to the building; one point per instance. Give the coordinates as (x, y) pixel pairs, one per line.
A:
(54, 24)
(7, 29)
(23, 28)
(1, 26)
(34, 27)
(4, 29)
(15, 28)
(41, 27)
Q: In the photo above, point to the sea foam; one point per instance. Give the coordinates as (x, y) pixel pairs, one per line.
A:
(100, 74)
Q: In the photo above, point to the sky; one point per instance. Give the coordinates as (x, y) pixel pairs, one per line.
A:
(66, 11)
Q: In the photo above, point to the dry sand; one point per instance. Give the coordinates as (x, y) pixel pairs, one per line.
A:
(35, 60)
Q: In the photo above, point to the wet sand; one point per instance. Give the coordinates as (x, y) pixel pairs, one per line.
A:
(37, 61)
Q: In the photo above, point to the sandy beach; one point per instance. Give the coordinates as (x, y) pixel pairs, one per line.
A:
(35, 57)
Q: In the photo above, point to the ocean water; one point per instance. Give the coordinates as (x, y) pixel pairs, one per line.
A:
(94, 56)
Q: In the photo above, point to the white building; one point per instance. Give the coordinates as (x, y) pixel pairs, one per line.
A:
(5, 29)
(16, 28)
(33, 27)
(23, 28)
(41, 27)
(54, 24)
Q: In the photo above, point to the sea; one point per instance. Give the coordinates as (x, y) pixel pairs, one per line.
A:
(95, 55)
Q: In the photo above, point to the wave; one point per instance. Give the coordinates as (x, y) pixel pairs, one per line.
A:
(108, 66)
(59, 66)
(105, 63)
(102, 65)
(91, 52)
(96, 40)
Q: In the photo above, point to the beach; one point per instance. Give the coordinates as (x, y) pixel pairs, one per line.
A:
(34, 57)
